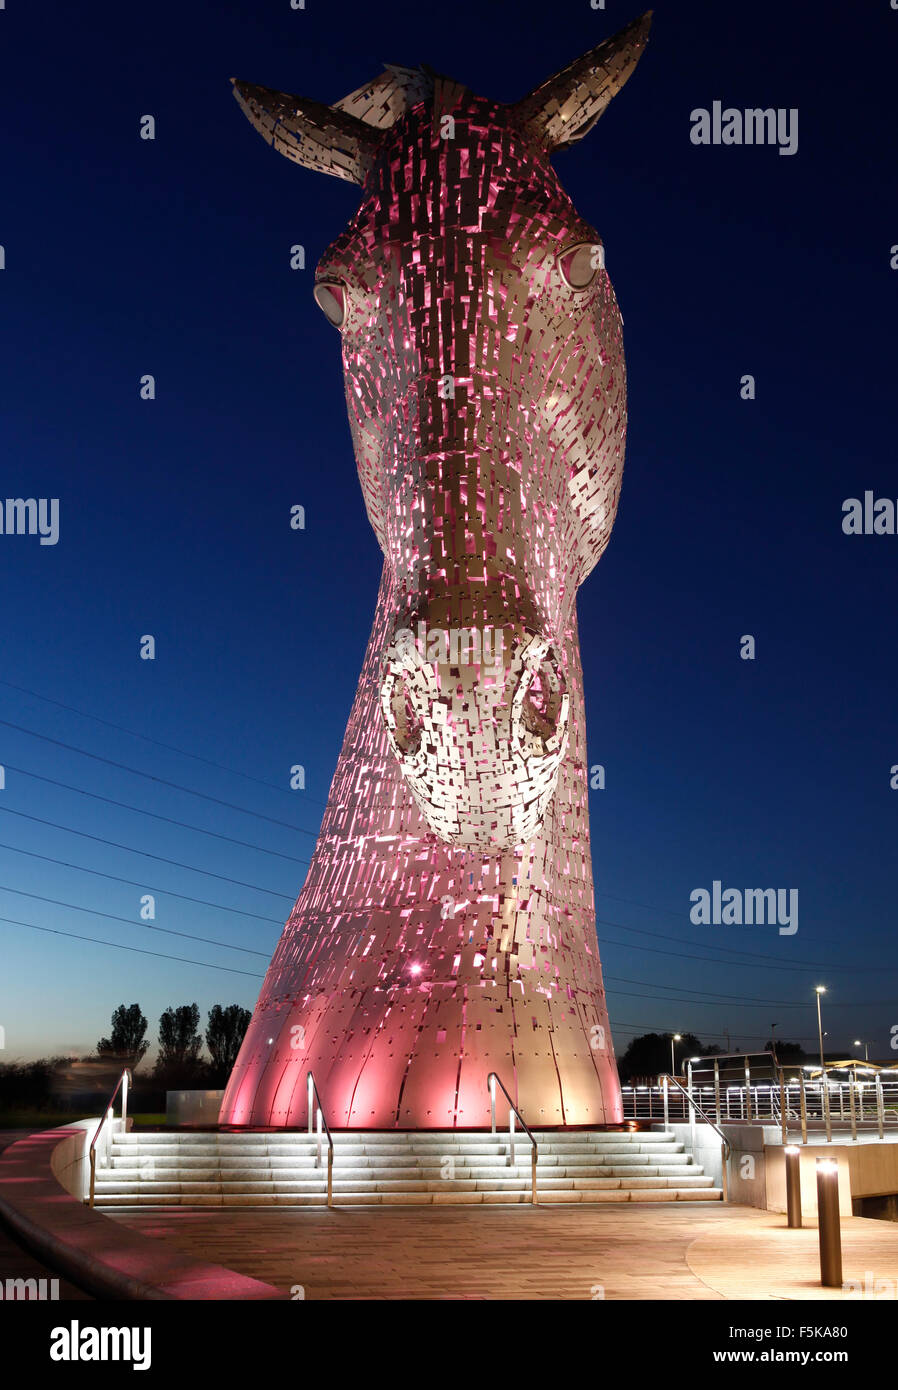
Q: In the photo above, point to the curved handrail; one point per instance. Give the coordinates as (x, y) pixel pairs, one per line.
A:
(665, 1076)
(492, 1080)
(724, 1142)
(128, 1079)
(322, 1120)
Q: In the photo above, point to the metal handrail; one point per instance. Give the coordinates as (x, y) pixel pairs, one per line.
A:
(492, 1080)
(725, 1149)
(128, 1080)
(314, 1096)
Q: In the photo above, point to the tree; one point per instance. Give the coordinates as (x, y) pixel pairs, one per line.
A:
(179, 1042)
(787, 1054)
(649, 1054)
(224, 1034)
(127, 1042)
(28, 1085)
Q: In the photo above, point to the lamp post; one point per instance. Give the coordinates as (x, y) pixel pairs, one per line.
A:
(818, 990)
(865, 1046)
(674, 1038)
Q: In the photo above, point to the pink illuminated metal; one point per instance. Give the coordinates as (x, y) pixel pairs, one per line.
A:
(446, 928)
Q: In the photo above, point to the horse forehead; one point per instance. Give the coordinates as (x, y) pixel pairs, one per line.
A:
(458, 172)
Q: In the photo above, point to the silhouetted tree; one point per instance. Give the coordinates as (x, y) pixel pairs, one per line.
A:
(787, 1054)
(224, 1034)
(28, 1085)
(649, 1054)
(179, 1044)
(127, 1041)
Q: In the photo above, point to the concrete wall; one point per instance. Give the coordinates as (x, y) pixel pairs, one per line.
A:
(100, 1256)
(756, 1170)
(865, 1170)
(747, 1167)
(192, 1107)
(873, 1168)
(776, 1177)
(707, 1148)
(70, 1160)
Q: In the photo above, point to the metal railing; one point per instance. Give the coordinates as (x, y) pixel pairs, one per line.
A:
(492, 1082)
(315, 1102)
(850, 1106)
(124, 1081)
(695, 1109)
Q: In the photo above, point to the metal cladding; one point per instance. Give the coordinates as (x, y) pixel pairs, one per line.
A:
(446, 928)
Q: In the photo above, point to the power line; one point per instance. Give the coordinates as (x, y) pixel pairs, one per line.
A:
(640, 1029)
(158, 743)
(730, 1001)
(136, 772)
(55, 931)
(8, 811)
(138, 883)
(258, 888)
(704, 1001)
(600, 921)
(738, 998)
(293, 859)
(685, 955)
(149, 926)
(669, 912)
(182, 825)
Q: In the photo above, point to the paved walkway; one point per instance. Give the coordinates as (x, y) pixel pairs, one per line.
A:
(621, 1251)
(15, 1261)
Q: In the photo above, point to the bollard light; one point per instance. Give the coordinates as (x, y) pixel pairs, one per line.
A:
(828, 1227)
(793, 1184)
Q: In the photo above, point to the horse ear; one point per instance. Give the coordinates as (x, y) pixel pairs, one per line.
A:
(317, 136)
(568, 105)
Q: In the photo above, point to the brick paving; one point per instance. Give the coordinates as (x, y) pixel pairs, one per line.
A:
(630, 1251)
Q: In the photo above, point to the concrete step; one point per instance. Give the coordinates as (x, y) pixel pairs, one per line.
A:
(387, 1144)
(410, 1157)
(262, 1169)
(394, 1141)
(519, 1184)
(348, 1179)
(345, 1199)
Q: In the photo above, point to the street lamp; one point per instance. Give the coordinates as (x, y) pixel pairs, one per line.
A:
(818, 990)
(674, 1038)
(858, 1043)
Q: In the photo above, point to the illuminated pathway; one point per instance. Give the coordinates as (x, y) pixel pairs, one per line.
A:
(15, 1261)
(631, 1252)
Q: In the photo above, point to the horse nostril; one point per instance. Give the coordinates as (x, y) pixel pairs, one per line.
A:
(408, 726)
(542, 701)
(539, 711)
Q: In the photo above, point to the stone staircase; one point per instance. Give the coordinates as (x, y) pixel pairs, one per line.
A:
(255, 1169)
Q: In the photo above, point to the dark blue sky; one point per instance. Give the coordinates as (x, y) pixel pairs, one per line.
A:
(126, 257)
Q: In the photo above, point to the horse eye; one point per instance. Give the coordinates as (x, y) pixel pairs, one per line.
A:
(580, 264)
(331, 297)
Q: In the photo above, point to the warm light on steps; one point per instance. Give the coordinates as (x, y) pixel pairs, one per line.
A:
(404, 1169)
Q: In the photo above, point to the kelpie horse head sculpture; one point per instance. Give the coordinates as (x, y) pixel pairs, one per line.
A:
(485, 384)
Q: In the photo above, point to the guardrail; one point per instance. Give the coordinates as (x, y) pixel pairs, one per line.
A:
(688, 1098)
(315, 1101)
(844, 1106)
(492, 1081)
(124, 1081)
